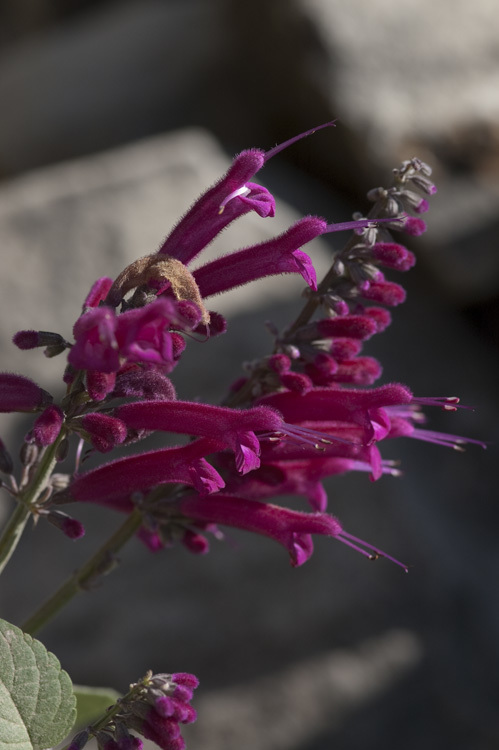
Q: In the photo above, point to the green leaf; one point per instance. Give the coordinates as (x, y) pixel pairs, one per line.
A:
(37, 705)
(92, 702)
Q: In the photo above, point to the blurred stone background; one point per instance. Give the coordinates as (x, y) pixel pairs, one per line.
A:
(115, 115)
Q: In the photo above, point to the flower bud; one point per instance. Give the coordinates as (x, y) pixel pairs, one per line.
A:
(47, 426)
(72, 528)
(34, 339)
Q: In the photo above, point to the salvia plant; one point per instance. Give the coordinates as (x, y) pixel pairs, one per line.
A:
(304, 412)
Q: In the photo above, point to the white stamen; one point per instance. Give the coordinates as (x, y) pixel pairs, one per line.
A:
(244, 190)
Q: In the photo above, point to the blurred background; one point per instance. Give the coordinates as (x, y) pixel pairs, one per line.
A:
(114, 116)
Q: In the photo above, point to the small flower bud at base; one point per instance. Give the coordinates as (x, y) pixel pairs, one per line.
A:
(72, 528)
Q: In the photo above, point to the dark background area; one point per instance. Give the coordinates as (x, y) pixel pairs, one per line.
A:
(78, 78)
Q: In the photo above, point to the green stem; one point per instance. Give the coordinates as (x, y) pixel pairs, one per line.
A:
(26, 499)
(98, 564)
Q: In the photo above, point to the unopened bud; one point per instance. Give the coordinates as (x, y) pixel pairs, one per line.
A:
(47, 426)
(72, 528)
(34, 339)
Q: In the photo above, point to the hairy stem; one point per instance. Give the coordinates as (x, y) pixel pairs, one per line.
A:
(26, 499)
(100, 563)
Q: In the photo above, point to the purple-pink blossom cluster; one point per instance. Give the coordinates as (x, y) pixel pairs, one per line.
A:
(154, 708)
(304, 413)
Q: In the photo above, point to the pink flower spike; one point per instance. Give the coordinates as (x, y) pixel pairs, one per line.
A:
(290, 528)
(273, 151)
(218, 207)
(279, 255)
(18, 393)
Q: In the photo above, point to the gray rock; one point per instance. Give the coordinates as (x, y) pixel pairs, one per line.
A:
(107, 77)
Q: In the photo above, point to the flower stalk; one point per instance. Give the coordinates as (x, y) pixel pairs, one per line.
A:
(99, 564)
(26, 500)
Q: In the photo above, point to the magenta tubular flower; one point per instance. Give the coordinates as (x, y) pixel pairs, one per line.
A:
(114, 483)
(232, 196)
(290, 528)
(301, 476)
(215, 210)
(279, 255)
(363, 409)
(18, 393)
(229, 428)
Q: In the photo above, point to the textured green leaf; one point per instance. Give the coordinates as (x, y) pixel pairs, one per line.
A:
(37, 705)
(92, 702)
